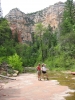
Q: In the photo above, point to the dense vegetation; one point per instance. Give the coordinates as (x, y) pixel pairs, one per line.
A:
(55, 48)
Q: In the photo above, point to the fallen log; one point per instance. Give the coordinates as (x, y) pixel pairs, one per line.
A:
(6, 77)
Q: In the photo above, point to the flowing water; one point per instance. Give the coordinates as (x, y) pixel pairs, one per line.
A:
(66, 79)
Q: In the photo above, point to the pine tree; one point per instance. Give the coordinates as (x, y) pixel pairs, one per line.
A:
(68, 17)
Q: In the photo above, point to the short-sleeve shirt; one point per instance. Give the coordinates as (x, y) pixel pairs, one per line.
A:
(43, 68)
(38, 68)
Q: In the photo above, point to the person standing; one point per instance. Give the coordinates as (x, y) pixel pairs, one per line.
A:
(44, 71)
(39, 71)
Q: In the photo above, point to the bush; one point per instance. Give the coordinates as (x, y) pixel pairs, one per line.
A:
(16, 62)
(3, 59)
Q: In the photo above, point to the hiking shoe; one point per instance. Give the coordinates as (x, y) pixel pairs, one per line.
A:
(40, 80)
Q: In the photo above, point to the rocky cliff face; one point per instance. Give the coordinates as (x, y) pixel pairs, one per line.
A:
(24, 24)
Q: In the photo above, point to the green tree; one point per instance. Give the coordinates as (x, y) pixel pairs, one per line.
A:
(5, 32)
(6, 47)
(39, 32)
(68, 17)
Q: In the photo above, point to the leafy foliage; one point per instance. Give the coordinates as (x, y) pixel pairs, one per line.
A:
(16, 62)
(5, 32)
(68, 17)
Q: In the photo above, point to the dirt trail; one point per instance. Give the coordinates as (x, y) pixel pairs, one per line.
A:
(27, 87)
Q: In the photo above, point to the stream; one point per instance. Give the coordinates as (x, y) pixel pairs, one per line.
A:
(66, 79)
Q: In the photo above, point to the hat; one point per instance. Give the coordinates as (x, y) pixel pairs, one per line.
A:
(42, 63)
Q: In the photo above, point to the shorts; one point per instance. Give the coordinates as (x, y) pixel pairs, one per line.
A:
(39, 72)
(43, 72)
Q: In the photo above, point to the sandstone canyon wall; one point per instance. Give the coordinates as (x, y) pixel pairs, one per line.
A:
(24, 24)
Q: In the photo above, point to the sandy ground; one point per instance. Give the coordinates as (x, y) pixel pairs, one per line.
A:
(27, 87)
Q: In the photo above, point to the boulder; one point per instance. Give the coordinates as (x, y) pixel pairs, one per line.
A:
(14, 75)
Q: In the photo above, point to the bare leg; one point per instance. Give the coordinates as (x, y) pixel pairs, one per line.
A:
(47, 76)
(39, 76)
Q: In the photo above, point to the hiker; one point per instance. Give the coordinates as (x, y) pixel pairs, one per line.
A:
(44, 71)
(39, 71)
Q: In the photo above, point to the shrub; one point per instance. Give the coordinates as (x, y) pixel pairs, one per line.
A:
(16, 62)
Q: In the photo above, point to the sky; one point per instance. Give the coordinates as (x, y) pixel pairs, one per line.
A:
(26, 6)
